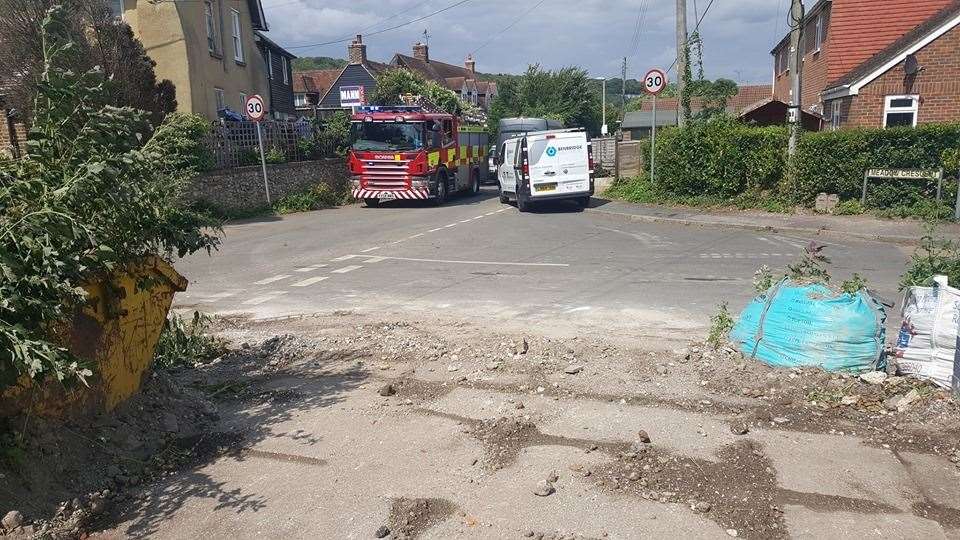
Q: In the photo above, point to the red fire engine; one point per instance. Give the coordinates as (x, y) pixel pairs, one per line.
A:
(406, 152)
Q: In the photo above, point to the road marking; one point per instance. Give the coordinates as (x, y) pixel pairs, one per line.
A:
(271, 279)
(489, 213)
(767, 240)
(502, 210)
(790, 241)
(346, 269)
(368, 250)
(344, 258)
(310, 268)
(577, 309)
(373, 260)
(221, 296)
(478, 217)
(435, 230)
(414, 236)
(465, 220)
(450, 225)
(487, 263)
(256, 301)
(311, 281)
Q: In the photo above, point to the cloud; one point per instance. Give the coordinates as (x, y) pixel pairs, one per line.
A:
(593, 34)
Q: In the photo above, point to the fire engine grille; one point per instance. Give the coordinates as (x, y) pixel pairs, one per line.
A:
(382, 174)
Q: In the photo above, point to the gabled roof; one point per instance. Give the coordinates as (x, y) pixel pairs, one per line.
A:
(433, 70)
(910, 43)
(272, 45)
(257, 17)
(315, 81)
(746, 95)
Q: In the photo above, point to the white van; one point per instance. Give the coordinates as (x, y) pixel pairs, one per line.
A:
(546, 165)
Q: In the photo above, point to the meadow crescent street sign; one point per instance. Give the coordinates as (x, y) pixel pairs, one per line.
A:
(255, 108)
(655, 81)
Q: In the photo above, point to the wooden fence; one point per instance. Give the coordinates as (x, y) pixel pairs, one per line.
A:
(234, 143)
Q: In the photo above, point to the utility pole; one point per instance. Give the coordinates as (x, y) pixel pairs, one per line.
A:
(623, 91)
(681, 52)
(794, 115)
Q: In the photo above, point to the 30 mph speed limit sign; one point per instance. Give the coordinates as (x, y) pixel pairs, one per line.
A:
(255, 108)
(655, 81)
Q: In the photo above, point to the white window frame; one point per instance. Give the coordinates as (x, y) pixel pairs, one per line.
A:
(888, 108)
(300, 99)
(219, 99)
(270, 62)
(116, 9)
(211, 24)
(286, 69)
(818, 43)
(835, 115)
(243, 101)
(237, 36)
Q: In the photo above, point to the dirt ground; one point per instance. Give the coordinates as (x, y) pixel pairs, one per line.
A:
(114, 477)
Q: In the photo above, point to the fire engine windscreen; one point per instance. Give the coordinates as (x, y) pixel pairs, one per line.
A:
(386, 136)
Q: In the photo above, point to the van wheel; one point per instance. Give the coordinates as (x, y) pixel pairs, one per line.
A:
(371, 203)
(441, 196)
(584, 202)
(504, 198)
(522, 203)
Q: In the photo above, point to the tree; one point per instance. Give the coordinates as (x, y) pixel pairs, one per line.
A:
(568, 95)
(307, 63)
(98, 39)
(393, 83)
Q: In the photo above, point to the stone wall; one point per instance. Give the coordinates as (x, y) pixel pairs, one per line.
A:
(241, 189)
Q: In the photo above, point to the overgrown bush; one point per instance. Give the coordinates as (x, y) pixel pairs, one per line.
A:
(320, 196)
(95, 191)
(184, 139)
(720, 157)
(936, 256)
(275, 156)
(834, 162)
(186, 344)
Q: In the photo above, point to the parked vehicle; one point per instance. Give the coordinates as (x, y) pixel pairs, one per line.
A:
(546, 165)
(406, 152)
(510, 128)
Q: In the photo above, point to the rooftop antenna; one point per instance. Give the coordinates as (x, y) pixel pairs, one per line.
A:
(426, 37)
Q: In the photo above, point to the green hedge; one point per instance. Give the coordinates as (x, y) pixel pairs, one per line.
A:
(834, 162)
(720, 158)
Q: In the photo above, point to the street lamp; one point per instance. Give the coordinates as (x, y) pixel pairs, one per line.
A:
(603, 129)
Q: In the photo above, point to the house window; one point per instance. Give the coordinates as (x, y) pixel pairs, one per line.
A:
(211, 26)
(237, 41)
(220, 99)
(270, 63)
(300, 100)
(901, 111)
(286, 70)
(818, 43)
(116, 9)
(835, 117)
(243, 102)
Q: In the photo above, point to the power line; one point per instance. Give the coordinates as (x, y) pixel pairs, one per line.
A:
(509, 26)
(695, 30)
(638, 31)
(378, 32)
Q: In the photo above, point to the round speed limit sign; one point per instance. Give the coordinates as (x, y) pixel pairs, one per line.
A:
(256, 110)
(655, 81)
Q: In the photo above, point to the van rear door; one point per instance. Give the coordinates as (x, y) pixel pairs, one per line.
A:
(559, 164)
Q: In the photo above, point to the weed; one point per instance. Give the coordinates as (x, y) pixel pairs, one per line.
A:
(849, 208)
(186, 344)
(812, 266)
(936, 256)
(720, 326)
(763, 280)
(275, 155)
(854, 285)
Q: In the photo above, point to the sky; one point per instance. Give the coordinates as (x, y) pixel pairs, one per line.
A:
(593, 34)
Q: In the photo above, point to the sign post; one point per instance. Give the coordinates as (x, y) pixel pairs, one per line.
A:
(654, 82)
(256, 110)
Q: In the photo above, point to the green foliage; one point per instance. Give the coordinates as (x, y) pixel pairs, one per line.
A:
(568, 95)
(275, 155)
(720, 326)
(849, 208)
(307, 63)
(834, 162)
(763, 279)
(332, 138)
(720, 157)
(714, 95)
(812, 266)
(94, 193)
(186, 344)
(854, 285)
(320, 196)
(394, 83)
(936, 256)
(182, 137)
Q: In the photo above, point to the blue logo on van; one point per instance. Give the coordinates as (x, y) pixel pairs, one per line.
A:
(551, 151)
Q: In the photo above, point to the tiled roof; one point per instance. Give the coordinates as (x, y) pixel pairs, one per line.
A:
(317, 80)
(435, 70)
(746, 96)
(900, 46)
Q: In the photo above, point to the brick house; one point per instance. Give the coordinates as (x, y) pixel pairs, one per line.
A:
(362, 72)
(841, 36)
(916, 80)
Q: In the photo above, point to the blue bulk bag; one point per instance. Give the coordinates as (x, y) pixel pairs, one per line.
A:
(796, 325)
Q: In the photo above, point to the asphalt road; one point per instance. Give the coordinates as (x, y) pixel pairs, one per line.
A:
(559, 269)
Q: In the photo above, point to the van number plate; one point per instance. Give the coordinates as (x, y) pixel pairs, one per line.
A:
(546, 187)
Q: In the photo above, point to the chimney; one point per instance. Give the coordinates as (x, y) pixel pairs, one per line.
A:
(471, 64)
(357, 51)
(421, 51)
